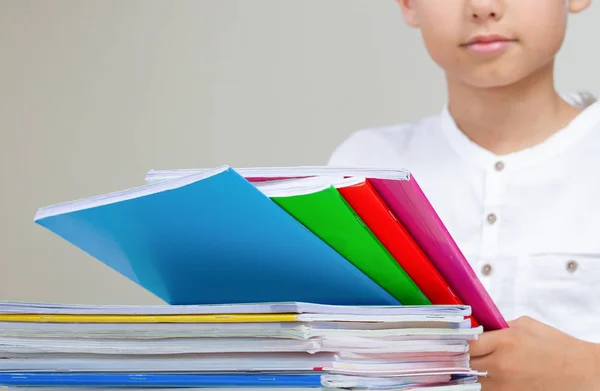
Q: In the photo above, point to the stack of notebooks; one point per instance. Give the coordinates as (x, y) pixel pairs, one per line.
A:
(361, 244)
(269, 346)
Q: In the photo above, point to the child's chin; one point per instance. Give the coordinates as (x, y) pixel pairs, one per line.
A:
(496, 77)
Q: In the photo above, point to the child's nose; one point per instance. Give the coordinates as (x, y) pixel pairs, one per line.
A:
(482, 10)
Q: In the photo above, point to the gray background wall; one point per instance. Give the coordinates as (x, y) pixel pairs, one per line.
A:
(93, 93)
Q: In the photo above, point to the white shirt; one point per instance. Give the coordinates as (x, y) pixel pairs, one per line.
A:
(528, 222)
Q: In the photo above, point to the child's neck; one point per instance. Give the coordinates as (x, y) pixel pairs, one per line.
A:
(512, 118)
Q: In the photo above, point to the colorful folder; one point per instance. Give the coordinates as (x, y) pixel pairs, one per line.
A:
(136, 319)
(408, 202)
(389, 230)
(376, 214)
(323, 210)
(159, 380)
(211, 238)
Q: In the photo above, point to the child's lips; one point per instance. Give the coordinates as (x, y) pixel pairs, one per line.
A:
(488, 44)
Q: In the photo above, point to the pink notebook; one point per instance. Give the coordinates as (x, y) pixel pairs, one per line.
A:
(406, 200)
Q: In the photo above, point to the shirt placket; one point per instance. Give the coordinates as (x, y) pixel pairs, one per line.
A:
(494, 191)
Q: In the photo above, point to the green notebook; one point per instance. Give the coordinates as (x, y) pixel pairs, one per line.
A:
(317, 204)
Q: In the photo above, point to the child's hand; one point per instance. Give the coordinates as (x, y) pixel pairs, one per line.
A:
(532, 356)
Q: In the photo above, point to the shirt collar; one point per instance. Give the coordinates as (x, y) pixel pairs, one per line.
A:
(560, 141)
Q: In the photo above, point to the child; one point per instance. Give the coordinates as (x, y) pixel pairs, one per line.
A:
(509, 164)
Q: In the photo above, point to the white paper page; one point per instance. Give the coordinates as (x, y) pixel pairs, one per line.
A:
(430, 323)
(360, 382)
(162, 346)
(152, 330)
(223, 362)
(127, 194)
(452, 387)
(401, 334)
(431, 312)
(423, 317)
(348, 381)
(239, 362)
(400, 358)
(384, 357)
(391, 373)
(148, 331)
(278, 172)
(368, 344)
(156, 365)
(220, 345)
(398, 366)
(303, 186)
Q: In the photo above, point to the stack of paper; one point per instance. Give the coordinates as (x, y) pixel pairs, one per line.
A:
(238, 346)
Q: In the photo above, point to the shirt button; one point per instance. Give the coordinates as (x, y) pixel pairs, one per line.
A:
(486, 270)
(572, 266)
(492, 218)
(499, 166)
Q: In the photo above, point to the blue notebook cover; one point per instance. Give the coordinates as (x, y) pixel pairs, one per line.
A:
(211, 238)
(157, 380)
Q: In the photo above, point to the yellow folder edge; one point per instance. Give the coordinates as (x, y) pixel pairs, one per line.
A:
(220, 318)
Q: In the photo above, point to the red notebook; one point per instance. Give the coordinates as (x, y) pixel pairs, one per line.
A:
(367, 203)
